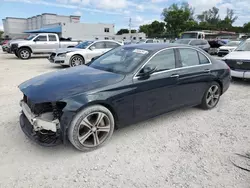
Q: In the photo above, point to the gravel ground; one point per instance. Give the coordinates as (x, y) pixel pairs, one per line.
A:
(187, 148)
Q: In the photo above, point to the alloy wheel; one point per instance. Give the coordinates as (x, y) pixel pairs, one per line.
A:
(213, 96)
(76, 61)
(24, 54)
(94, 129)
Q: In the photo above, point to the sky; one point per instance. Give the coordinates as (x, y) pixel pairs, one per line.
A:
(117, 12)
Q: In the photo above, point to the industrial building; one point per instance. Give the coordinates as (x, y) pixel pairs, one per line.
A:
(64, 26)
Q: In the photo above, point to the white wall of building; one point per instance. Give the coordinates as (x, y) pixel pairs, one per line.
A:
(132, 36)
(88, 31)
(15, 26)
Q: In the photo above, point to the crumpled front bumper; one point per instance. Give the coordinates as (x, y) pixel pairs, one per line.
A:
(34, 126)
(28, 128)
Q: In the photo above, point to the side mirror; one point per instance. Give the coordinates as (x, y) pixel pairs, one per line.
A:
(36, 39)
(92, 48)
(147, 71)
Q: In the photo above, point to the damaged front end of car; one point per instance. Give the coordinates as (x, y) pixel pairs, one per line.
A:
(45, 123)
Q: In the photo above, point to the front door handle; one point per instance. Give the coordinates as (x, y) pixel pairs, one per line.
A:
(174, 76)
(207, 71)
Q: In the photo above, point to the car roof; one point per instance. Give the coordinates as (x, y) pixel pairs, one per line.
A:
(155, 46)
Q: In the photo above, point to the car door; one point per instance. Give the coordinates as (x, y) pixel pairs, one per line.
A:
(154, 95)
(53, 44)
(96, 49)
(194, 75)
(40, 44)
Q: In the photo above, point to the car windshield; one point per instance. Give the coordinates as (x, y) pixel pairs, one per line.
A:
(182, 41)
(30, 37)
(84, 45)
(121, 60)
(245, 46)
(233, 43)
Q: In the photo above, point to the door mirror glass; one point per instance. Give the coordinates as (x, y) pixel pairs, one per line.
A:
(147, 71)
(92, 48)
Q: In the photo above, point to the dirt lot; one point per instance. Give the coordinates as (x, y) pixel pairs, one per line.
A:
(187, 148)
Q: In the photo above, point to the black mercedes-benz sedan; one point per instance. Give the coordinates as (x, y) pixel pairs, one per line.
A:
(128, 84)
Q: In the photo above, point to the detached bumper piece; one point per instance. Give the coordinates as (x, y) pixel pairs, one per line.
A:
(41, 131)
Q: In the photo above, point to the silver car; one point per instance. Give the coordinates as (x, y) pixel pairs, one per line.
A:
(200, 43)
(82, 53)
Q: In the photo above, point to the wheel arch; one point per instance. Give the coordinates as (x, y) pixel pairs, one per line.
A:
(78, 55)
(102, 103)
(221, 85)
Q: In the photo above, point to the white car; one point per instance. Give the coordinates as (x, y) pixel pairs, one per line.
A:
(239, 61)
(229, 47)
(82, 53)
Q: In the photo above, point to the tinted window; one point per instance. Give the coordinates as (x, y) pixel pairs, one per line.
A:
(204, 42)
(189, 57)
(52, 38)
(111, 44)
(150, 41)
(196, 42)
(41, 38)
(99, 45)
(164, 60)
(203, 59)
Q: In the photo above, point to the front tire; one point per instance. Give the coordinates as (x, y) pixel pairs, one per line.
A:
(76, 60)
(24, 53)
(91, 128)
(211, 96)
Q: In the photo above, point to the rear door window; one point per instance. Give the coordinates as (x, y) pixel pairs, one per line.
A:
(111, 44)
(52, 38)
(189, 57)
(99, 45)
(203, 59)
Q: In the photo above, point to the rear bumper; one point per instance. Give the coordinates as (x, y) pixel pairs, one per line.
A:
(240, 74)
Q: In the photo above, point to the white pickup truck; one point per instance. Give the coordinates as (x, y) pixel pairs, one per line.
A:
(43, 43)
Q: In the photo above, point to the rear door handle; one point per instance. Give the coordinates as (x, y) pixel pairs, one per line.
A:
(174, 76)
(207, 70)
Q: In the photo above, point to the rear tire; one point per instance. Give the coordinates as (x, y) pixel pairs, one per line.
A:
(76, 60)
(24, 53)
(211, 96)
(91, 128)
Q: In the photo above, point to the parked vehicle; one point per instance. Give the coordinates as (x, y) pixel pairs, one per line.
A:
(229, 47)
(201, 43)
(82, 53)
(43, 43)
(239, 61)
(128, 84)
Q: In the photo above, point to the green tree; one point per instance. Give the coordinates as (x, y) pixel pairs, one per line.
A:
(1, 34)
(246, 27)
(210, 16)
(156, 28)
(145, 29)
(178, 18)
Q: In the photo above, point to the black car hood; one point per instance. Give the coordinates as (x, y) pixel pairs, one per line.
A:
(63, 84)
